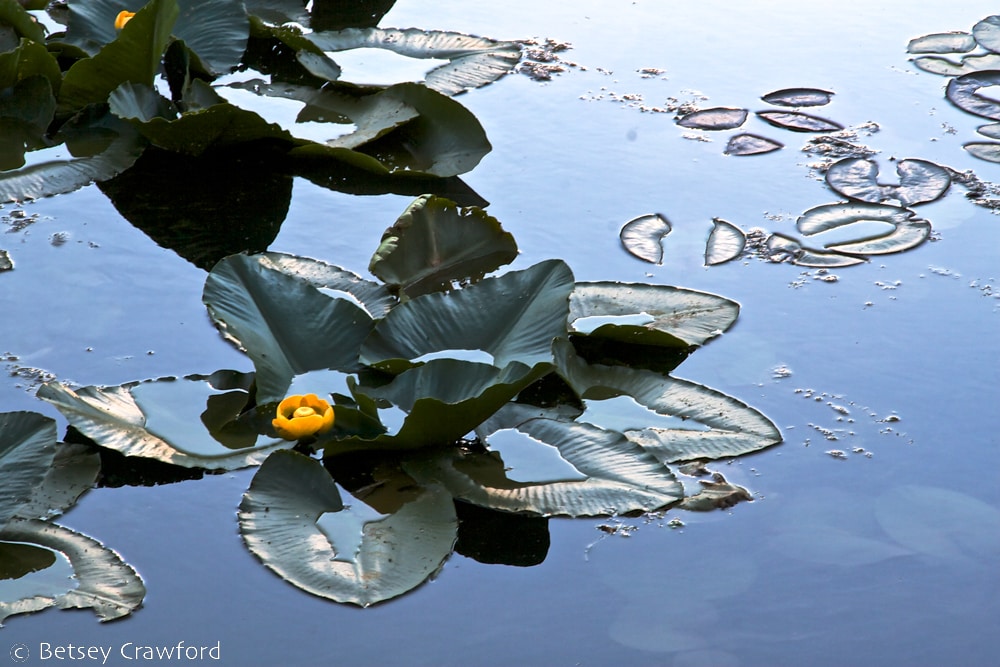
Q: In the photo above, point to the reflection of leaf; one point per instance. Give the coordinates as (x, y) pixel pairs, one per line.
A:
(920, 181)
(725, 242)
(27, 449)
(751, 144)
(677, 316)
(115, 418)
(620, 476)
(286, 325)
(74, 471)
(733, 428)
(718, 118)
(908, 230)
(798, 97)
(799, 122)
(962, 91)
(643, 237)
(434, 244)
(474, 61)
(279, 521)
(514, 317)
(942, 42)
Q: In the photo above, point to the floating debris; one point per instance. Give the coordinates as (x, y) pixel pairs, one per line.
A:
(6, 263)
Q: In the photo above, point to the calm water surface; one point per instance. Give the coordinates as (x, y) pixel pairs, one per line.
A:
(885, 558)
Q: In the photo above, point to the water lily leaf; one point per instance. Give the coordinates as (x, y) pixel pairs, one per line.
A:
(751, 144)
(991, 130)
(962, 91)
(157, 420)
(728, 427)
(781, 248)
(941, 523)
(942, 42)
(908, 230)
(676, 316)
(799, 122)
(103, 582)
(278, 12)
(716, 118)
(293, 519)
(984, 150)
(15, 16)
(798, 97)
(473, 61)
(725, 242)
(73, 472)
(614, 475)
(643, 237)
(134, 55)
(29, 59)
(435, 244)
(27, 449)
(286, 325)
(374, 297)
(920, 181)
(216, 32)
(967, 65)
(987, 33)
(26, 111)
(514, 317)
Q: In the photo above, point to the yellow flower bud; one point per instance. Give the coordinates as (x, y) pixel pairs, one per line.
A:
(301, 416)
(123, 18)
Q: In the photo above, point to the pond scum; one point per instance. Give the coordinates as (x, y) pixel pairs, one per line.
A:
(445, 389)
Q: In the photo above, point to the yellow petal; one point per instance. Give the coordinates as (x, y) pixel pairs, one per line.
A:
(296, 429)
(123, 18)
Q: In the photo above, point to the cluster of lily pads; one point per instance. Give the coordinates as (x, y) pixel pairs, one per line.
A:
(972, 61)
(445, 386)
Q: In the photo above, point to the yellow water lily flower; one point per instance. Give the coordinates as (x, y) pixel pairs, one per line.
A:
(300, 416)
(123, 18)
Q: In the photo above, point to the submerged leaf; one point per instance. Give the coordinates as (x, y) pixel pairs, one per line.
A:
(725, 242)
(942, 42)
(798, 97)
(103, 582)
(717, 118)
(920, 181)
(643, 237)
(799, 122)
(751, 144)
(963, 92)
(674, 315)
(292, 518)
(435, 244)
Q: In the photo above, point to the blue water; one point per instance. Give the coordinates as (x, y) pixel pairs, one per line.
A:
(885, 557)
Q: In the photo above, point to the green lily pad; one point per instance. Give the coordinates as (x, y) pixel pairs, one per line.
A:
(643, 237)
(27, 449)
(920, 181)
(908, 231)
(101, 580)
(158, 420)
(286, 325)
(514, 317)
(13, 14)
(435, 244)
(293, 519)
(27, 60)
(726, 242)
(716, 118)
(798, 97)
(942, 42)
(728, 427)
(473, 61)
(676, 316)
(613, 475)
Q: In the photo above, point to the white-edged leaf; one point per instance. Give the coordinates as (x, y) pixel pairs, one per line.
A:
(751, 144)
(799, 122)
(942, 42)
(643, 237)
(717, 118)
(725, 242)
(908, 230)
(963, 92)
(920, 181)
(798, 97)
